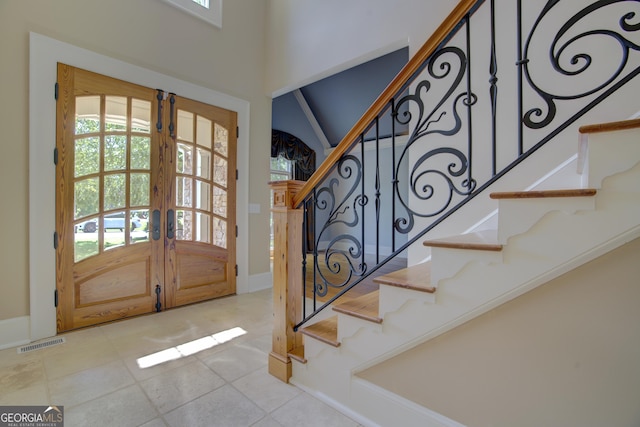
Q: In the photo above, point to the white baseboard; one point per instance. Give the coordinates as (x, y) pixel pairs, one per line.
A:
(258, 282)
(14, 332)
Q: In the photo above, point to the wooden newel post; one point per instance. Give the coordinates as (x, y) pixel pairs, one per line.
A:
(287, 277)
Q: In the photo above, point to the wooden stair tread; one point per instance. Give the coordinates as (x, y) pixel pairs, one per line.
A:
(482, 240)
(298, 354)
(325, 330)
(579, 192)
(416, 277)
(363, 307)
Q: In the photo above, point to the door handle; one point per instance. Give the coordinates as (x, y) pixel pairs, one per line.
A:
(155, 223)
(170, 224)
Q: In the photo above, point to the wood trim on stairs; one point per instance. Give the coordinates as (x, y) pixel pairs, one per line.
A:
(298, 354)
(610, 126)
(325, 330)
(580, 192)
(364, 307)
(417, 278)
(482, 241)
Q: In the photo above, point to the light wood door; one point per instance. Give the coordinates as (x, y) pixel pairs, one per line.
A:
(125, 164)
(201, 229)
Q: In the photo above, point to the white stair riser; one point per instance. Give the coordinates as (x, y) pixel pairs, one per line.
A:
(518, 215)
(392, 298)
(350, 325)
(446, 262)
(611, 153)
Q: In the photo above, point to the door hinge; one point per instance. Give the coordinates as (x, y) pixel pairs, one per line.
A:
(56, 89)
(237, 131)
(55, 156)
(236, 270)
(236, 231)
(237, 174)
(55, 240)
(55, 298)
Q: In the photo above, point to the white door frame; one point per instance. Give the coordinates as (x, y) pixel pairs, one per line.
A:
(44, 54)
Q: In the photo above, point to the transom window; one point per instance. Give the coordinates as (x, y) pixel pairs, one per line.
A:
(209, 10)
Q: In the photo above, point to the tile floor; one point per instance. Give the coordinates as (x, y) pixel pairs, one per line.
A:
(192, 373)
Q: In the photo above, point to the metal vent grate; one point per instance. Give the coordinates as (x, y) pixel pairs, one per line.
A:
(38, 346)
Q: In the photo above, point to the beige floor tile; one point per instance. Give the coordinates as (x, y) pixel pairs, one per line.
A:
(86, 385)
(95, 374)
(236, 361)
(128, 407)
(267, 422)
(265, 390)
(24, 374)
(222, 407)
(70, 358)
(34, 395)
(158, 422)
(174, 388)
(305, 410)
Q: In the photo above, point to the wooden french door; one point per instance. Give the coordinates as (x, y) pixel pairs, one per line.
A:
(145, 200)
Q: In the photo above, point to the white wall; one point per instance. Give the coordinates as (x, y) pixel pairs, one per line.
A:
(309, 40)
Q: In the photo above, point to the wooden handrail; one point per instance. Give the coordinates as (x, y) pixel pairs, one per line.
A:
(611, 126)
(430, 46)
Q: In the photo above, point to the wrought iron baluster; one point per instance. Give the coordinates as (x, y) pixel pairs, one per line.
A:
(493, 89)
(519, 64)
(377, 191)
(305, 236)
(394, 179)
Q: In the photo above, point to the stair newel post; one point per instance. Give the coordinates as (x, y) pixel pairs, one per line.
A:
(287, 276)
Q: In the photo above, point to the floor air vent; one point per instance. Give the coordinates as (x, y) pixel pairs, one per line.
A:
(38, 346)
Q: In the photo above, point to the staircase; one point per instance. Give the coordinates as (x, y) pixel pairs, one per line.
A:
(489, 106)
(539, 236)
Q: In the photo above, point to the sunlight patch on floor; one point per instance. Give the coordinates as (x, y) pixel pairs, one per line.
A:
(189, 348)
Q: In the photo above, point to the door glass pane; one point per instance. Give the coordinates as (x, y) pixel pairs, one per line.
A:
(203, 165)
(203, 132)
(87, 114)
(115, 191)
(115, 152)
(219, 202)
(87, 156)
(86, 197)
(185, 159)
(203, 226)
(221, 140)
(220, 232)
(183, 192)
(115, 119)
(220, 171)
(140, 152)
(140, 116)
(85, 240)
(184, 225)
(203, 195)
(139, 189)
(185, 126)
(114, 229)
(139, 225)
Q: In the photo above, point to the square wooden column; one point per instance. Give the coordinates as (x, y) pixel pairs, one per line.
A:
(287, 277)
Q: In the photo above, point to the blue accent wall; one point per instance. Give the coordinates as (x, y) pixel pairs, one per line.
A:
(337, 102)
